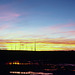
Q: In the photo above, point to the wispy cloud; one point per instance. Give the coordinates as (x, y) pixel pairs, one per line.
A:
(4, 6)
(4, 26)
(8, 16)
(56, 28)
(7, 13)
(70, 32)
(57, 41)
(66, 33)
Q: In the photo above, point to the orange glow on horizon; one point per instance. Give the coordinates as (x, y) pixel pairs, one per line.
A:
(39, 45)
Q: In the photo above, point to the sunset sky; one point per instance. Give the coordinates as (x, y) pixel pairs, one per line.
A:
(48, 23)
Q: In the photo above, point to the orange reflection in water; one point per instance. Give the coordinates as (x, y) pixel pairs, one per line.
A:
(18, 63)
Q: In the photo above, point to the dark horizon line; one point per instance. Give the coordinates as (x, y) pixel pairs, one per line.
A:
(40, 51)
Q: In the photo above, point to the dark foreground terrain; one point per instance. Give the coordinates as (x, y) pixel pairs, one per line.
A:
(44, 59)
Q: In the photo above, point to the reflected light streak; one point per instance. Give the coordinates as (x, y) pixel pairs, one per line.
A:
(31, 73)
(17, 63)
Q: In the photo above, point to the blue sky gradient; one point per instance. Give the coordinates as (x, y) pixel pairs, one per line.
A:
(37, 17)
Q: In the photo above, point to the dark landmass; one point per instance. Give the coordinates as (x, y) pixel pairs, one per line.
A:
(51, 57)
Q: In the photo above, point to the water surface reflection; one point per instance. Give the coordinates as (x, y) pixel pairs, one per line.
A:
(31, 73)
